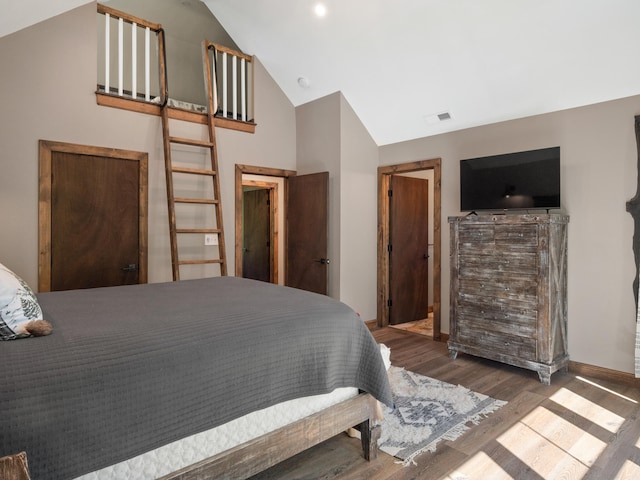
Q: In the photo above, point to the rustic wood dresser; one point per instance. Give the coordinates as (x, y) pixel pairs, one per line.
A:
(509, 290)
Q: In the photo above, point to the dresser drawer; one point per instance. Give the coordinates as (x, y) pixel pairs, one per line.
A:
(474, 234)
(500, 315)
(507, 285)
(496, 342)
(516, 235)
(496, 324)
(496, 261)
(522, 234)
(512, 305)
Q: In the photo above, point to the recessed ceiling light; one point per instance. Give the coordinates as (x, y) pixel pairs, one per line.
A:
(320, 10)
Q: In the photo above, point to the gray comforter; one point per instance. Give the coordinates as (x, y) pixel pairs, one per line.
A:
(128, 369)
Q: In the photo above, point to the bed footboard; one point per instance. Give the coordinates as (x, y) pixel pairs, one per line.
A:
(263, 452)
(14, 467)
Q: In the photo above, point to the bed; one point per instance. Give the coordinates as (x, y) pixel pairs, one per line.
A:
(131, 370)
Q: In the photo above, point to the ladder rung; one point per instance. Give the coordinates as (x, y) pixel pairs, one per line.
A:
(195, 171)
(198, 230)
(204, 201)
(189, 141)
(199, 262)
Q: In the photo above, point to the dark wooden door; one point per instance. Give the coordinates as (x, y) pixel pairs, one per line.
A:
(307, 205)
(408, 256)
(256, 233)
(94, 221)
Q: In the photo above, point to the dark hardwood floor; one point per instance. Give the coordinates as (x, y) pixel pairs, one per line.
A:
(576, 428)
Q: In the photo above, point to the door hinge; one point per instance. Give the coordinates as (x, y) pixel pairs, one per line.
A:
(389, 248)
(390, 193)
(389, 303)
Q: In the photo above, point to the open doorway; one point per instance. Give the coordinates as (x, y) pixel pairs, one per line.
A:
(272, 180)
(260, 232)
(386, 280)
(299, 217)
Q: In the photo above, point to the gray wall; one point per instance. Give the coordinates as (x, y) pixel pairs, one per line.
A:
(599, 175)
(318, 150)
(330, 137)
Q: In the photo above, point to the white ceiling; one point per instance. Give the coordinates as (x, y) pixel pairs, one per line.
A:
(399, 63)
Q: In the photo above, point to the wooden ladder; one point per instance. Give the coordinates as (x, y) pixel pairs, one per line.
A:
(213, 201)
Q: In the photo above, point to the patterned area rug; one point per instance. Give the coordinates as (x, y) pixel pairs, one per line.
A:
(428, 411)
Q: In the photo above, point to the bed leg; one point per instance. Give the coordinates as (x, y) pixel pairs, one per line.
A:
(369, 435)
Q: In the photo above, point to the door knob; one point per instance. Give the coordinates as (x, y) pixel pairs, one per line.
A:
(132, 267)
(323, 261)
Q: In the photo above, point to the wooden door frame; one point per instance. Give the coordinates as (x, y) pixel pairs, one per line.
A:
(384, 175)
(273, 224)
(252, 170)
(46, 150)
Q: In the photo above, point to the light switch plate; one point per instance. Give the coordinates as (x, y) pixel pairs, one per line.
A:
(211, 239)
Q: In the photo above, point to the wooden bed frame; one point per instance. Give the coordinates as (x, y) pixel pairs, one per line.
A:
(261, 453)
(267, 450)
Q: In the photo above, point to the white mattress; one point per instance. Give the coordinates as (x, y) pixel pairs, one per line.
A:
(185, 452)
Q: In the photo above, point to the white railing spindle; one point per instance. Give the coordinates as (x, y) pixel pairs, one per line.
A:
(120, 55)
(243, 88)
(214, 81)
(107, 41)
(134, 60)
(147, 77)
(234, 68)
(224, 84)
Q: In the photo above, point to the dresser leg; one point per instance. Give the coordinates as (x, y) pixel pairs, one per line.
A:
(545, 378)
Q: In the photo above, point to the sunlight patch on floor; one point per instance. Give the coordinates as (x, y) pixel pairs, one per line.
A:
(551, 444)
(540, 454)
(587, 409)
(565, 435)
(629, 471)
(606, 389)
(480, 462)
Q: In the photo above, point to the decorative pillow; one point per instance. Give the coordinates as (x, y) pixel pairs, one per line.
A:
(20, 313)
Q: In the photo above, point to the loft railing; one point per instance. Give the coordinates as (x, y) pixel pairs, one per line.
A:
(134, 57)
(229, 74)
(132, 66)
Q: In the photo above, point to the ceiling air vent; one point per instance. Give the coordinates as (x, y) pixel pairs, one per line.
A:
(437, 118)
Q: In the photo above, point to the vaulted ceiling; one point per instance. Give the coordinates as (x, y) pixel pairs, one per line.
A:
(415, 68)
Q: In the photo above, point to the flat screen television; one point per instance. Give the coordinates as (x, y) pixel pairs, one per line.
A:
(512, 181)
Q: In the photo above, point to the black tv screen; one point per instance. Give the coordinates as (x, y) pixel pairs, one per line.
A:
(522, 180)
